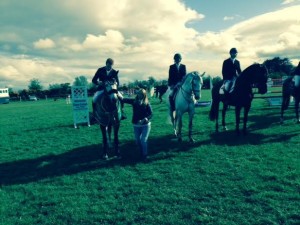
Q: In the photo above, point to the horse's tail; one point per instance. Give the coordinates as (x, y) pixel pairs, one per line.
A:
(214, 109)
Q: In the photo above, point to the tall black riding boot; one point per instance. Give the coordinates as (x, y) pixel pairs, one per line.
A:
(172, 102)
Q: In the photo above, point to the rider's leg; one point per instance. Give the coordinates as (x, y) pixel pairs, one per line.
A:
(171, 100)
(95, 97)
(227, 87)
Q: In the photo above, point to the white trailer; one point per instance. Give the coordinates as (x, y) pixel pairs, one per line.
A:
(4, 96)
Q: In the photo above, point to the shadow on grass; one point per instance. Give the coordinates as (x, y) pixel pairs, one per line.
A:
(83, 159)
(230, 138)
(256, 131)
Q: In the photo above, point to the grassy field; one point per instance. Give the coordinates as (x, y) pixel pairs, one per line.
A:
(51, 173)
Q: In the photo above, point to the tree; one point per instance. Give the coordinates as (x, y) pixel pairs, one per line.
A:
(151, 81)
(65, 88)
(24, 94)
(35, 86)
(278, 67)
(59, 89)
(216, 80)
(206, 82)
(80, 81)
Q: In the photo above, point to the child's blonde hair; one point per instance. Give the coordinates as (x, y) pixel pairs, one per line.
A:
(142, 92)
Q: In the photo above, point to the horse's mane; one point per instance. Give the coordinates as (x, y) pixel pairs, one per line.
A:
(194, 73)
(250, 69)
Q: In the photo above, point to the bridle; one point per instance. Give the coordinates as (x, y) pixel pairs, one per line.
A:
(186, 93)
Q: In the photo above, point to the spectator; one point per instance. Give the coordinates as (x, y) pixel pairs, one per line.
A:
(142, 113)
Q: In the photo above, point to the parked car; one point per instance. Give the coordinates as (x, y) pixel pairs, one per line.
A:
(32, 98)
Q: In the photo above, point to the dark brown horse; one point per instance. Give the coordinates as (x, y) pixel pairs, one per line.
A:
(241, 97)
(107, 112)
(289, 89)
(160, 90)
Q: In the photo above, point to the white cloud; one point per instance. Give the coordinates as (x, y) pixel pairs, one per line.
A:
(17, 71)
(44, 44)
(265, 36)
(112, 41)
(142, 37)
(285, 2)
(228, 18)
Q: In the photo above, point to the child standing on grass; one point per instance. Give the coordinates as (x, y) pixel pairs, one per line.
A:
(142, 113)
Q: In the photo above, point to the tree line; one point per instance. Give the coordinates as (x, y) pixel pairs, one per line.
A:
(277, 68)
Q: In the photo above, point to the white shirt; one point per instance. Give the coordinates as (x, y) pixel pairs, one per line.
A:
(108, 71)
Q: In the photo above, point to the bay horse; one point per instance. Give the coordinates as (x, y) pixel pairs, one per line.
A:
(256, 75)
(290, 89)
(107, 110)
(188, 92)
(160, 90)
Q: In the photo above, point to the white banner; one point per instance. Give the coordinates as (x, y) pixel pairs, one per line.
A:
(80, 105)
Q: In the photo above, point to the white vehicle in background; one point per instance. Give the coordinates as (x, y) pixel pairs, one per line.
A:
(4, 96)
(32, 98)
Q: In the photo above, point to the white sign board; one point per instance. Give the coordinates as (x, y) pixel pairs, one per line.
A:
(80, 105)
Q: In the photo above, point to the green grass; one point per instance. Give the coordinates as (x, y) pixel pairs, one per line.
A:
(51, 173)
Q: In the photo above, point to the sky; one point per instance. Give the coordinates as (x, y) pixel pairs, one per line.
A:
(55, 41)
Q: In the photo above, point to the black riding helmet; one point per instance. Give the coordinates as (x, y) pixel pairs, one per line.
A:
(177, 56)
(233, 51)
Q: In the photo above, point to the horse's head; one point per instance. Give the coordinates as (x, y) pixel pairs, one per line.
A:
(197, 83)
(257, 74)
(107, 106)
(111, 89)
(261, 79)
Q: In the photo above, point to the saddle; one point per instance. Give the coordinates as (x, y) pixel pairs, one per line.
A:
(230, 83)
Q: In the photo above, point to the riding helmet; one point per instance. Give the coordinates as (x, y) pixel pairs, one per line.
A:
(233, 51)
(177, 56)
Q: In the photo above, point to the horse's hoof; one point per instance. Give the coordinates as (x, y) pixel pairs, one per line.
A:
(225, 128)
(105, 157)
(192, 141)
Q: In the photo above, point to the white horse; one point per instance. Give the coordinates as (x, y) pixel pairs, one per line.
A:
(188, 92)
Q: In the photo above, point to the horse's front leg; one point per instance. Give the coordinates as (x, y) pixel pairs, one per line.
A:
(178, 126)
(104, 141)
(246, 112)
(173, 120)
(284, 105)
(109, 127)
(116, 139)
(217, 116)
(225, 107)
(191, 116)
(297, 100)
(237, 119)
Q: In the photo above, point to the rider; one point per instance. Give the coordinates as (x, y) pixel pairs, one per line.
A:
(176, 73)
(103, 74)
(230, 70)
